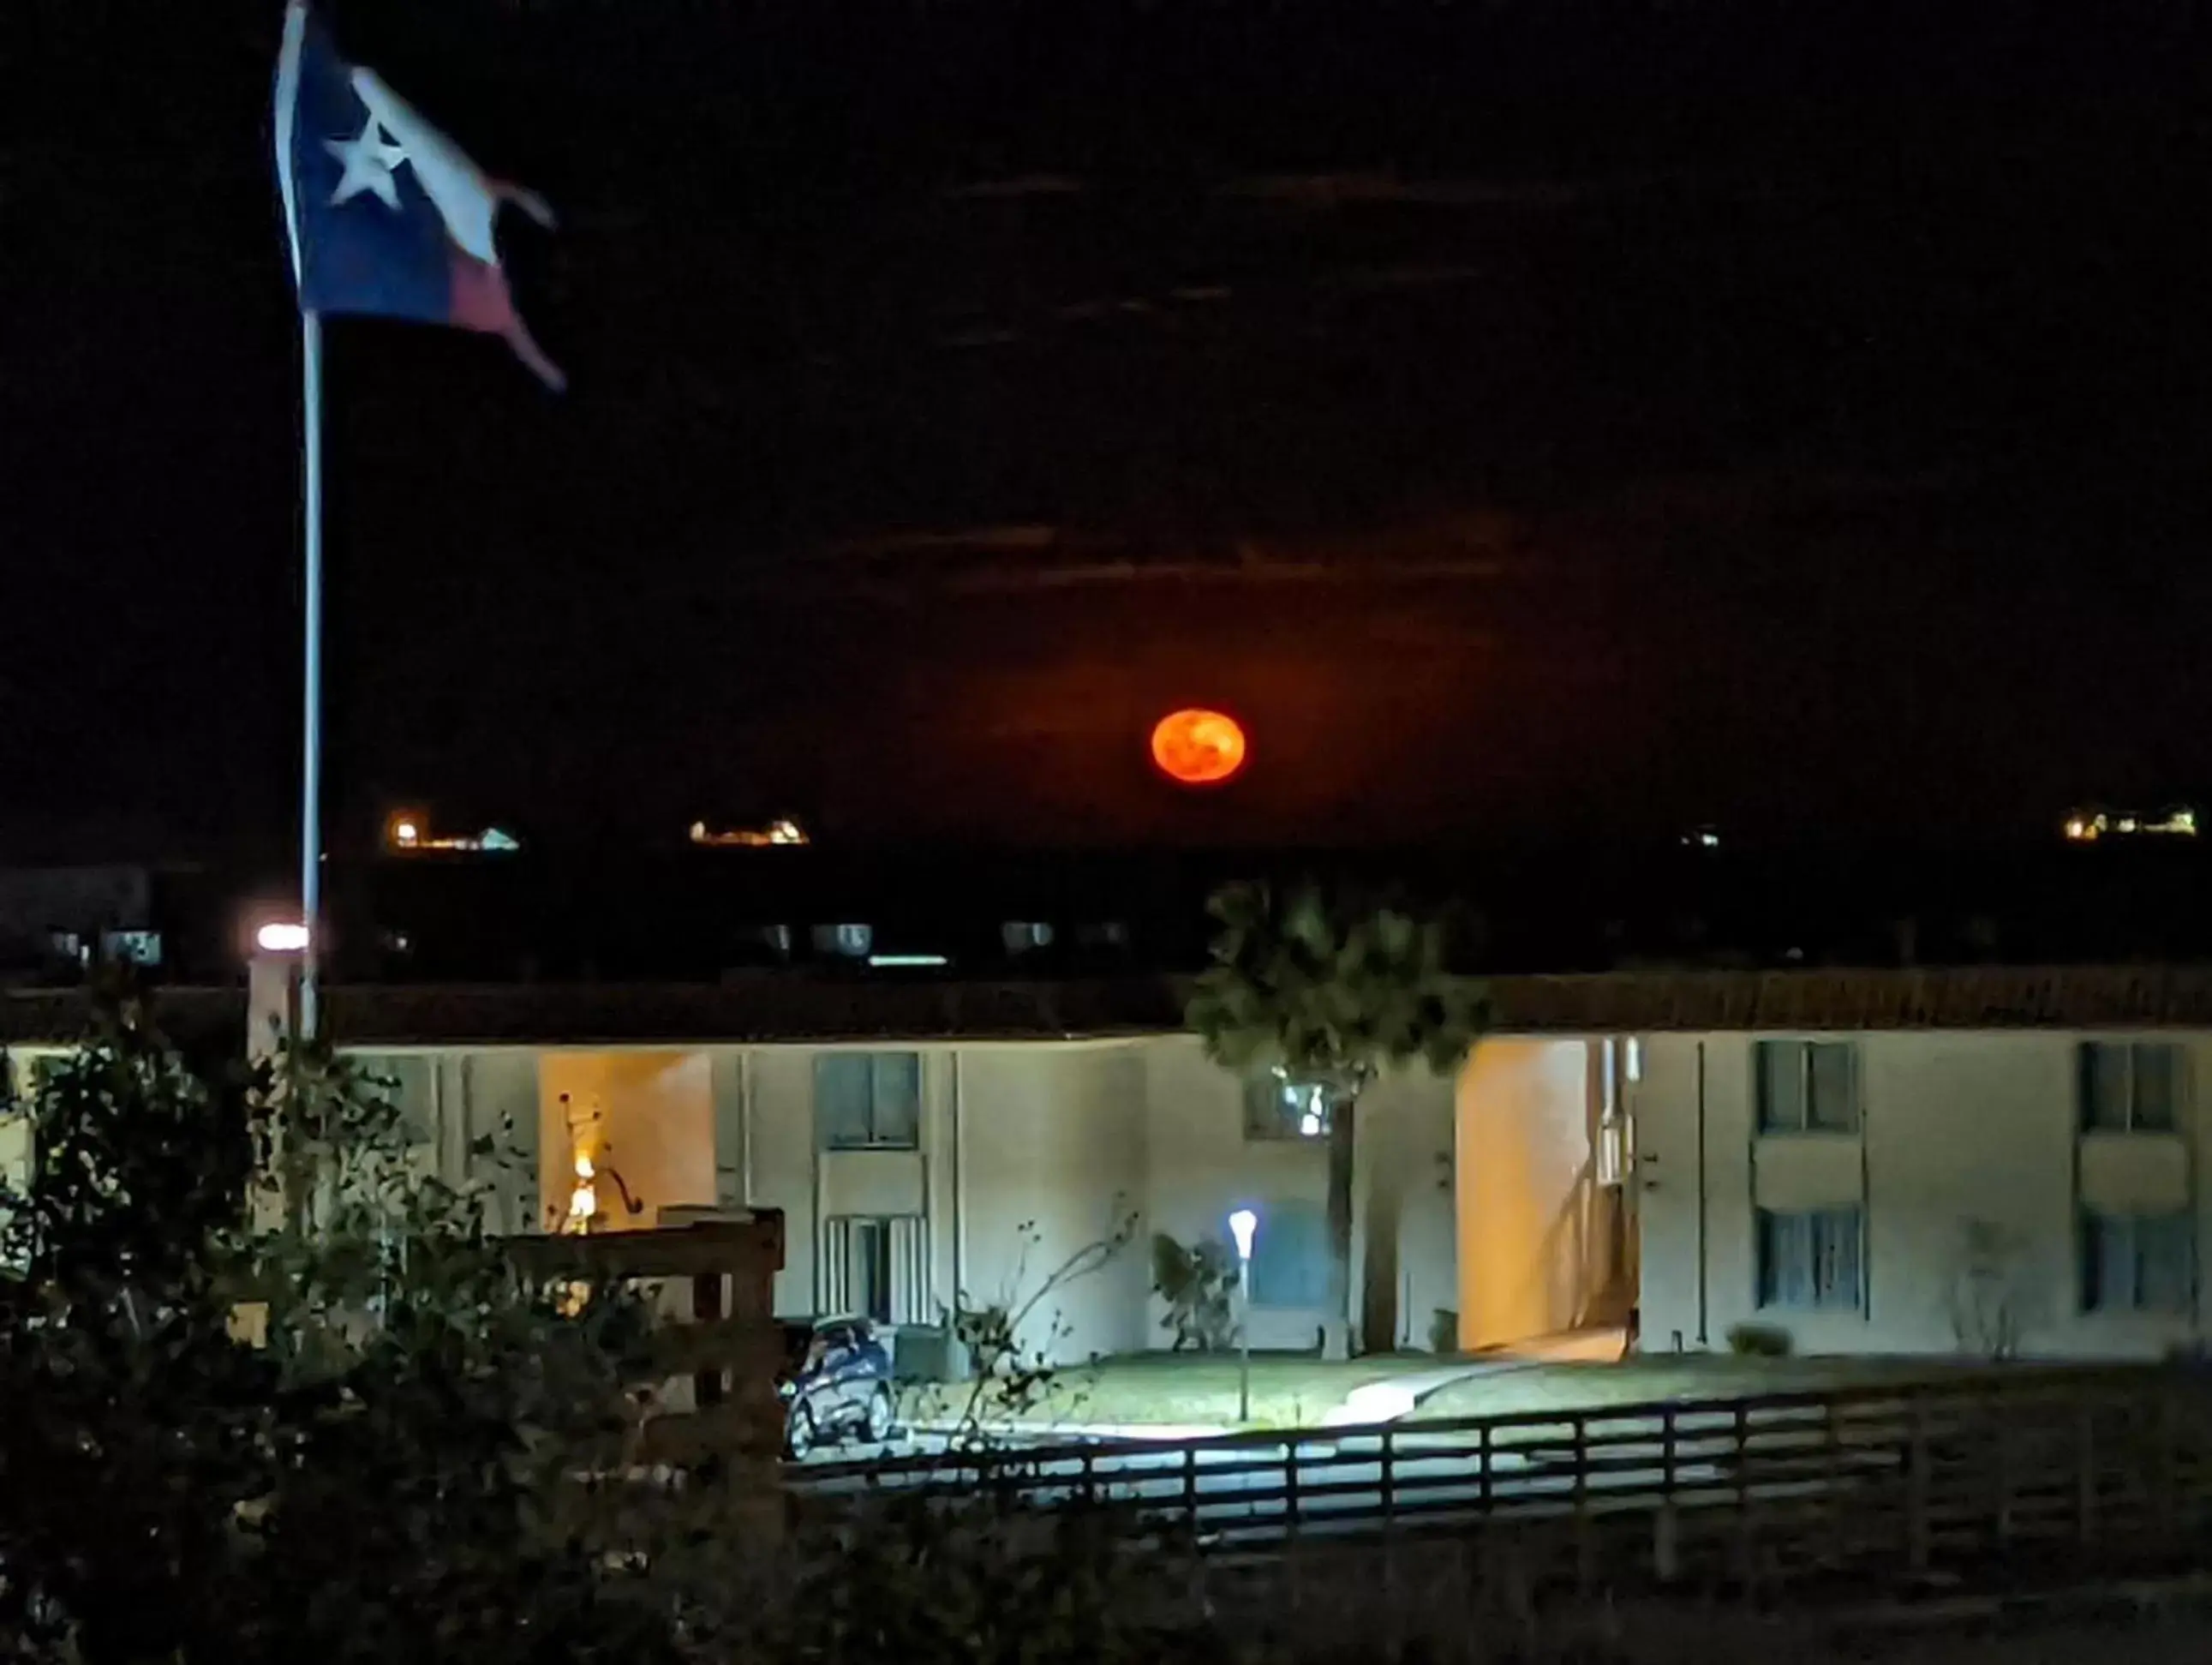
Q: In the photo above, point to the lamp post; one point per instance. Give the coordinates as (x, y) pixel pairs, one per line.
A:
(1243, 1226)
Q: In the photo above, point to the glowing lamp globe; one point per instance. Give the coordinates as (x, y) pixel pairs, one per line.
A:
(1198, 748)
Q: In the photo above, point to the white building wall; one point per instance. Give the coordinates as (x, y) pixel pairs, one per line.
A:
(1957, 1131)
(780, 1123)
(1052, 1161)
(1405, 1220)
(1203, 1168)
(498, 1090)
(1067, 1138)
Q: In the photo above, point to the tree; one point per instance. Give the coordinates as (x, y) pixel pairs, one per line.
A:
(1326, 992)
(380, 1471)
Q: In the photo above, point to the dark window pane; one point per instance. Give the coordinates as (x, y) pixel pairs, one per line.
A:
(2108, 1264)
(1834, 1107)
(2156, 1099)
(898, 1099)
(1785, 1259)
(842, 1088)
(1768, 1250)
(2165, 1254)
(1289, 1256)
(1811, 1260)
(1836, 1258)
(2104, 1087)
(1781, 1085)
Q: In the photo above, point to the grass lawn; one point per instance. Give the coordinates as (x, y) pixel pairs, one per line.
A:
(1293, 1390)
(1516, 1388)
(1289, 1390)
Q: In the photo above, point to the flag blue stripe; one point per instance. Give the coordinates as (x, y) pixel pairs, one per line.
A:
(359, 256)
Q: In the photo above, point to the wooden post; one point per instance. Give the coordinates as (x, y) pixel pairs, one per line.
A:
(1291, 1489)
(2165, 1484)
(2001, 1474)
(1833, 1483)
(1389, 1499)
(1190, 1490)
(1666, 1547)
(1745, 1554)
(1585, 1536)
(707, 1387)
(1483, 1456)
(2085, 1471)
(1915, 1484)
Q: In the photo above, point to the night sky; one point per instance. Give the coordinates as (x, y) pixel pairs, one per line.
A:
(1526, 417)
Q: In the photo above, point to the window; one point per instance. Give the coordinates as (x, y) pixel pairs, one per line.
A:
(845, 941)
(1806, 1085)
(1810, 1261)
(1024, 936)
(876, 1268)
(2130, 1087)
(2141, 1263)
(1278, 1109)
(1289, 1256)
(131, 948)
(867, 1101)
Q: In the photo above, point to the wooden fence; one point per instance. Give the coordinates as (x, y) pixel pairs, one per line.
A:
(707, 1386)
(2018, 1467)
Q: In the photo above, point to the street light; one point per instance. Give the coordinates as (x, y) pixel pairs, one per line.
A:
(1243, 1226)
(282, 936)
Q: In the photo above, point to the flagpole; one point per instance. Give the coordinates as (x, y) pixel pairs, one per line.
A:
(310, 747)
(311, 473)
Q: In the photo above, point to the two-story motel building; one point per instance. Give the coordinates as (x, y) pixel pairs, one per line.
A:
(1879, 1161)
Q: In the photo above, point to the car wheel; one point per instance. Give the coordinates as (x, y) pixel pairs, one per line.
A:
(799, 1434)
(881, 1415)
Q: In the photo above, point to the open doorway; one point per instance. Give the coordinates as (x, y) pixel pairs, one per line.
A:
(624, 1135)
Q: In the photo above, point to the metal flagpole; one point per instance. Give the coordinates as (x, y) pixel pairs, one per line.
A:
(310, 459)
(311, 746)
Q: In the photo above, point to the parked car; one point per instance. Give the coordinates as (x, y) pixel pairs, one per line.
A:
(836, 1383)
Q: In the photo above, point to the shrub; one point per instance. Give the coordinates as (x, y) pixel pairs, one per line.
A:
(1759, 1341)
(1196, 1283)
(384, 1473)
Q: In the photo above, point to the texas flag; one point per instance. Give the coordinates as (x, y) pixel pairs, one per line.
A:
(388, 216)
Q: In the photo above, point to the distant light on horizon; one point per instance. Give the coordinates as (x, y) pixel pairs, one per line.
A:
(407, 833)
(782, 832)
(2087, 825)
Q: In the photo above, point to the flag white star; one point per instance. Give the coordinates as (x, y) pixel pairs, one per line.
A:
(370, 158)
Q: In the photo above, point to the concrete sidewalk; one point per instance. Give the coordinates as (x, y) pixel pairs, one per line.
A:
(1045, 1433)
(1398, 1397)
(1390, 1400)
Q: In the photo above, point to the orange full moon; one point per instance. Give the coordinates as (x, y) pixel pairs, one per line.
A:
(1198, 748)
